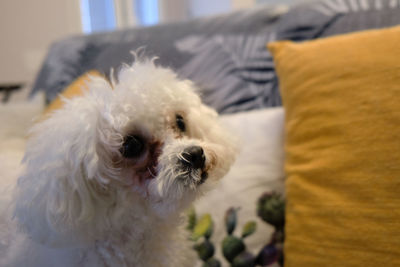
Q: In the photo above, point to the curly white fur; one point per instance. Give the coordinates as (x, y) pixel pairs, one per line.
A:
(79, 202)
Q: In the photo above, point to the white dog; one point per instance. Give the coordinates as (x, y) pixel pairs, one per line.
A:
(107, 177)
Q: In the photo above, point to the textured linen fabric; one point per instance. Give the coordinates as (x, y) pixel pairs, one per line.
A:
(224, 55)
(318, 18)
(342, 101)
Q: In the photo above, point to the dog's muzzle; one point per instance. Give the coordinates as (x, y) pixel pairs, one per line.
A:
(193, 158)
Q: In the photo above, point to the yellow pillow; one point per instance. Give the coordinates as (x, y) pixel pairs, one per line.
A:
(76, 88)
(342, 101)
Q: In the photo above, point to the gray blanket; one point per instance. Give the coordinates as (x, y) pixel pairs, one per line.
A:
(225, 56)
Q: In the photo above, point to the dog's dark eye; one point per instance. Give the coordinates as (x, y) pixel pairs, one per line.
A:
(180, 123)
(132, 147)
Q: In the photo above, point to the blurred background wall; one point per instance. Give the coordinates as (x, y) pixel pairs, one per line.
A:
(27, 28)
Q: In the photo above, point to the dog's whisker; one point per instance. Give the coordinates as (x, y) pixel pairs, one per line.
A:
(151, 173)
(182, 158)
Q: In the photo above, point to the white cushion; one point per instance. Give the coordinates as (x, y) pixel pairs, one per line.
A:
(258, 169)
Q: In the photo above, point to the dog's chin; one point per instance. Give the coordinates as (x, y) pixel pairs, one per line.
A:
(191, 179)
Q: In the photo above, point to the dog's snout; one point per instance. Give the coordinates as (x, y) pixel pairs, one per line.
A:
(194, 156)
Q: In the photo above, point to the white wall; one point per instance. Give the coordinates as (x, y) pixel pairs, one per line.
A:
(178, 10)
(200, 8)
(27, 28)
(238, 4)
(173, 10)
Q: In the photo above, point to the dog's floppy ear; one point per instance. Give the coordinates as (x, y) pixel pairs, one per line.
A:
(57, 196)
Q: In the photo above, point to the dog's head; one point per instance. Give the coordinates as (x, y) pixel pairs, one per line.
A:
(142, 147)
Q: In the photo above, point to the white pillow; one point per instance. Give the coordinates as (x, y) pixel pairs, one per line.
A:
(258, 169)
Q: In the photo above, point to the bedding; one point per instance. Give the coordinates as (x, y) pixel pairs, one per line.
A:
(207, 51)
(317, 19)
(258, 169)
(224, 55)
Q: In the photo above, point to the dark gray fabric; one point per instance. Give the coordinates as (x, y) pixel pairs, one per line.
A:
(240, 37)
(233, 71)
(326, 18)
(225, 56)
(374, 14)
(303, 22)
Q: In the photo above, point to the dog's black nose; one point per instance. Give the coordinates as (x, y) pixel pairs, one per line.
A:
(194, 157)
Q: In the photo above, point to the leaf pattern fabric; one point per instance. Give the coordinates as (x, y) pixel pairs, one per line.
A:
(230, 63)
(225, 56)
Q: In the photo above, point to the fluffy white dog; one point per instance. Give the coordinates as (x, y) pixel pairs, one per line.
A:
(107, 177)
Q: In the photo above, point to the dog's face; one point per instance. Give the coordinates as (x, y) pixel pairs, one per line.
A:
(146, 145)
(168, 146)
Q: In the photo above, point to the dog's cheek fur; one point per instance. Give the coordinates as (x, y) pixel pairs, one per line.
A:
(58, 196)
